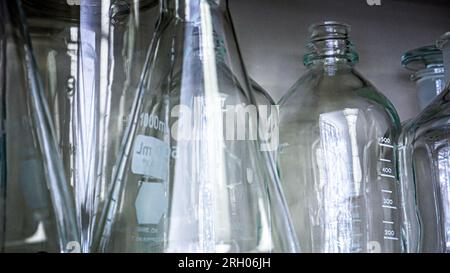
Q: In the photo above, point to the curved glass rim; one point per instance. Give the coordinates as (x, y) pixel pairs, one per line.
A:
(331, 30)
(443, 41)
(330, 24)
(422, 57)
(433, 72)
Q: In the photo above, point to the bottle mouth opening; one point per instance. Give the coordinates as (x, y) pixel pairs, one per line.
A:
(329, 43)
(329, 30)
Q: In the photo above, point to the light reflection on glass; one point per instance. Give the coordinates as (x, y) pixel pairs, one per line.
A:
(340, 176)
(444, 181)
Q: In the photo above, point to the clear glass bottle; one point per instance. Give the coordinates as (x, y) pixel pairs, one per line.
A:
(337, 158)
(425, 171)
(36, 206)
(428, 72)
(187, 182)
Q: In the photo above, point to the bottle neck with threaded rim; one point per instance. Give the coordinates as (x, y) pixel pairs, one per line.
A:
(330, 45)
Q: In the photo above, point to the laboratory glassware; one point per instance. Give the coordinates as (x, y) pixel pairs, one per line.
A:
(424, 169)
(337, 157)
(110, 45)
(189, 179)
(36, 205)
(53, 29)
(428, 72)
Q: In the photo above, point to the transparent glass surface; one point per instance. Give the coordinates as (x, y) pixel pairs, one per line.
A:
(337, 158)
(36, 206)
(425, 172)
(186, 181)
(53, 29)
(90, 55)
(428, 72)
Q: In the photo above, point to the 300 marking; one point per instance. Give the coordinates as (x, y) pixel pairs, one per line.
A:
(388, 201)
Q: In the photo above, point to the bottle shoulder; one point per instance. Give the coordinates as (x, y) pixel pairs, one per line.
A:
(319, 86)
(316, 93)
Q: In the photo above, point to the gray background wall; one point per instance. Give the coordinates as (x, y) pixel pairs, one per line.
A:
(272, 35)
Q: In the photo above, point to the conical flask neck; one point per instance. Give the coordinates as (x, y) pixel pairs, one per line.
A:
(205, 20)
(189, 10)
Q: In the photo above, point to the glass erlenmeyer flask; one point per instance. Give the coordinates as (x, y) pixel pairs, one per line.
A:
(426, 63)
(425, 173)
(187, 182)
(337, 152)
(113, 42)
(36, 206)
